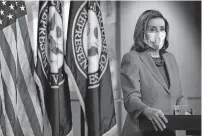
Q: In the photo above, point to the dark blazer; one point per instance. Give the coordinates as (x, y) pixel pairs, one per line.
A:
(143, 85)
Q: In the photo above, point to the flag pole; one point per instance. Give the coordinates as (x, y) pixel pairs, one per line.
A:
(82, 122)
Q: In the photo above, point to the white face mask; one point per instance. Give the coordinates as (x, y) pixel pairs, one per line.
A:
(155, 40)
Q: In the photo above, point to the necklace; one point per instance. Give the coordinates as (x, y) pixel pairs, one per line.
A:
(158, 61)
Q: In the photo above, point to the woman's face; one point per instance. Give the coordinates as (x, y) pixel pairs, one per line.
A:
(155, 33)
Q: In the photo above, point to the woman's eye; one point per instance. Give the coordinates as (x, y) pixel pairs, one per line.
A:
(162, 29)
(151, 29)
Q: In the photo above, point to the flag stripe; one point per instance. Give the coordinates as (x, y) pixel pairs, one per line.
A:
(33, 26)
(7, 78)
(10, 38)
(12, 92)
(8, 55)
(2, 119)
(10, 112)
(4, 68)
(28, 105)
(28, 76)
(13, 28)
(9, 130)
(9, 107)
(24, 119)
(19, 131)
(22, 111)
(12, 124)
(31, 34)
(25, 36)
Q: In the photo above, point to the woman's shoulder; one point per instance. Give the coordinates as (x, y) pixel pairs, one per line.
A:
(171, 57)
(131, 55)
(169, 54)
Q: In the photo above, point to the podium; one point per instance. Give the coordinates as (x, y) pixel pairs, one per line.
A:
(190, 123)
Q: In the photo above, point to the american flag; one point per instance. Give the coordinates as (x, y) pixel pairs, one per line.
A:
(20, 110)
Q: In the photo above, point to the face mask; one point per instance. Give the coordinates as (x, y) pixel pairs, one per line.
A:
(155, 40)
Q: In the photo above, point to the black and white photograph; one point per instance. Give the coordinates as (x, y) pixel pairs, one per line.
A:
(100, 68)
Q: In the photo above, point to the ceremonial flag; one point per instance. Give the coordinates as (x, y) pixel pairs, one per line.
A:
(50, 69)
(87, 66)
(20, 108)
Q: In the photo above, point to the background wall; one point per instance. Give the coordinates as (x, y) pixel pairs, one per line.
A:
(185, 39)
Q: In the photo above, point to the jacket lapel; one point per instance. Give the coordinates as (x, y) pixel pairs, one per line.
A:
(168, 68)
(147, 60)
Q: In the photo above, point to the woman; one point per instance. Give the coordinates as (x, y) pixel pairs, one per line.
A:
(150, 76)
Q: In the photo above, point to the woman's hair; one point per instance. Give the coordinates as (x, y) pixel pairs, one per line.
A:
(141, 28)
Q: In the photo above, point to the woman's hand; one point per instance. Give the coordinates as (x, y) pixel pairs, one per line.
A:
(157, 118)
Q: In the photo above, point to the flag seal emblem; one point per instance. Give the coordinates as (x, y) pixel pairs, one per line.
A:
(89, 44)
(51, 44)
